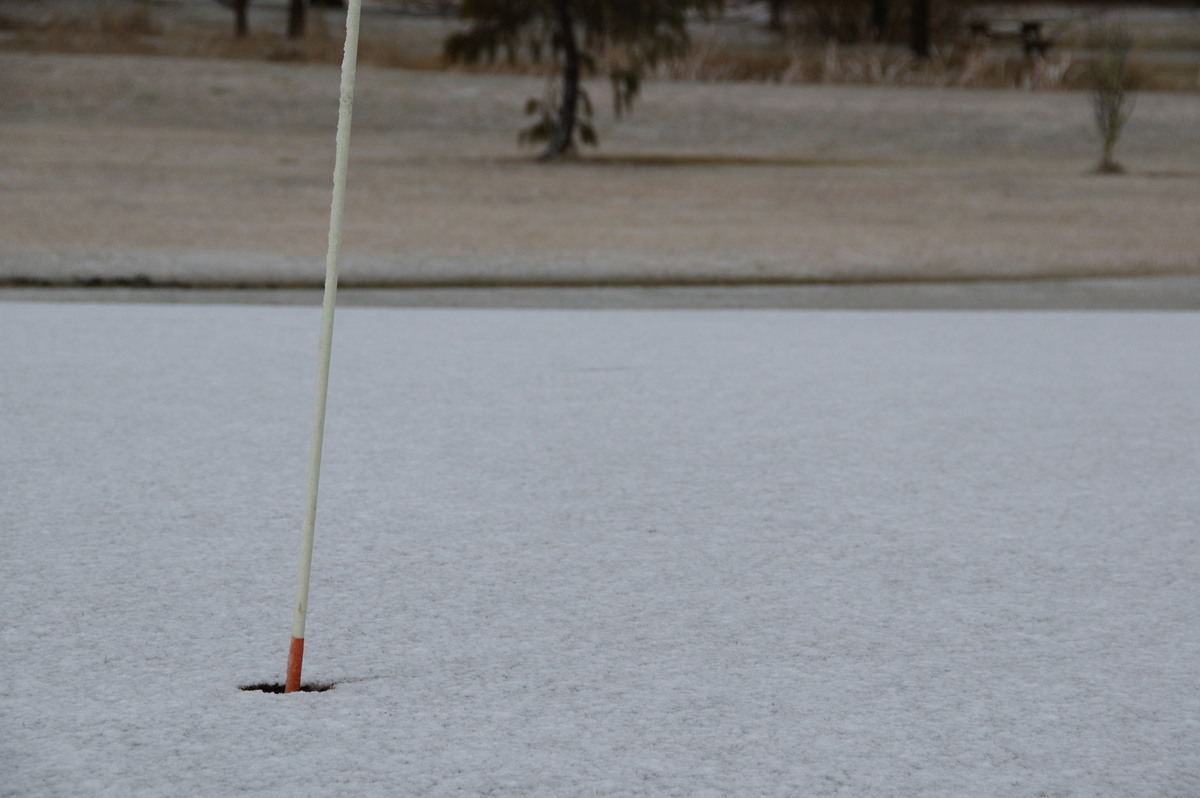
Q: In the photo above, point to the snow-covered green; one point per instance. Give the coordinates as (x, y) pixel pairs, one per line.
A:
(601, 553)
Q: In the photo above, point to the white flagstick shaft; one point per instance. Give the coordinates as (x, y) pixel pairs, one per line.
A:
(325, 347)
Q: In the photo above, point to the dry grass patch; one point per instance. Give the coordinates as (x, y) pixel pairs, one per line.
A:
(107, 27)
(957, 66)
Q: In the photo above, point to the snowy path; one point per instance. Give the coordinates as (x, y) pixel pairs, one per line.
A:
(602, 553)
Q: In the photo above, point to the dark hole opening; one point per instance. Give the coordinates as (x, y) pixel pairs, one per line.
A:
(277, 687)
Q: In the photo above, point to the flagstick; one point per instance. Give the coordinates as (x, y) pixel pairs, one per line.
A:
(296, 651)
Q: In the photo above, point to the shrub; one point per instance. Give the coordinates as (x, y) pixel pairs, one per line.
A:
(1111, 99)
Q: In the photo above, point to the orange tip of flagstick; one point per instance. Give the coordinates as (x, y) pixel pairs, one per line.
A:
(295, 660)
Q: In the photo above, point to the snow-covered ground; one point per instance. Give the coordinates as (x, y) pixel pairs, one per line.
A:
(602, 553)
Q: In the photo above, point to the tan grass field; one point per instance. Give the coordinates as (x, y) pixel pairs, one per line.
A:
(216, 172)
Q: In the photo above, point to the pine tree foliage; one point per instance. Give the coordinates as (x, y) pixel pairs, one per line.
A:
(545, 110)
(628, 35)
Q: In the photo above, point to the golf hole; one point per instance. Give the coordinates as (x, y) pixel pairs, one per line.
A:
(277, 687)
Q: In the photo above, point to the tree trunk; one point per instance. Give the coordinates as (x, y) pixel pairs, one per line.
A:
(776, 20)
(241, 22)
(919, 35)
(564, 135)
(295, 28)
(879, 17)
(1108, 164)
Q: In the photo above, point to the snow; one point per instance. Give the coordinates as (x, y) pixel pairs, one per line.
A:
(602, 553)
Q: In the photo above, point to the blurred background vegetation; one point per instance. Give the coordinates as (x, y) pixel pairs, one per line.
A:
(952, 43)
